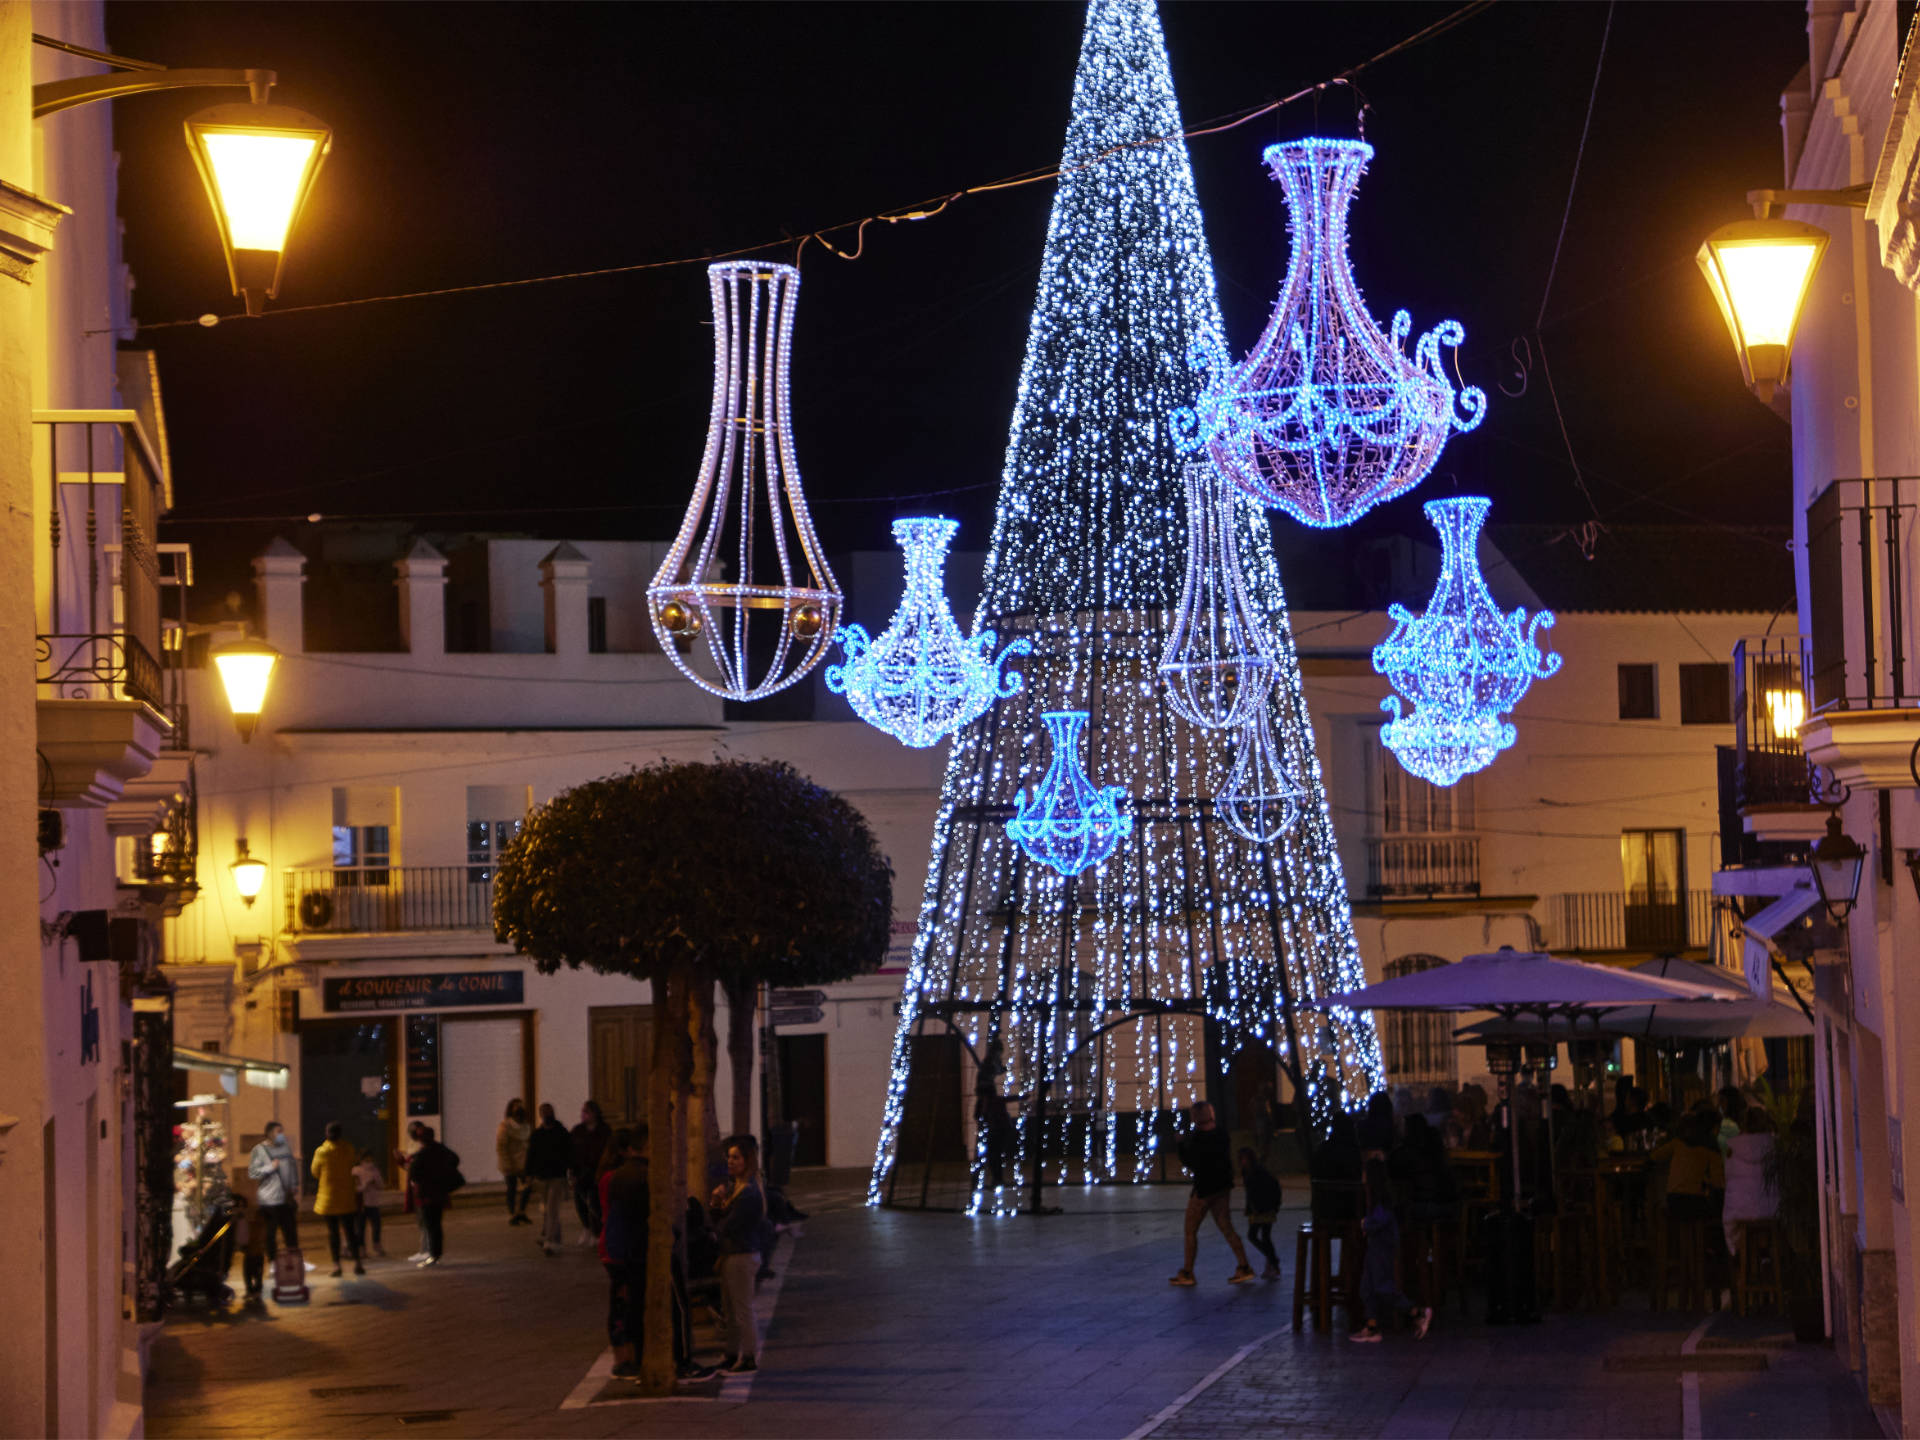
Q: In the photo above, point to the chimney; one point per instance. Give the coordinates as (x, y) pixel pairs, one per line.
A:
(563, 578)
(422, 580)
(278, 582)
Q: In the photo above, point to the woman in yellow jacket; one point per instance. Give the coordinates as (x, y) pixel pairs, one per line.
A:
(337, 1198)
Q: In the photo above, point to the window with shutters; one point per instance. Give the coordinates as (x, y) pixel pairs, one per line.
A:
(1417, 1045)
(1706, 694)
(1639, 692)
(362, 854)
(1421, 839)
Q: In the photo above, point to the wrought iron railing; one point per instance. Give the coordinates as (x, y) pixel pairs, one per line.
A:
(102, 635)
(1610, 920)
(1860, 537)
(387, 898)
(1769, 702)
(1423, 865)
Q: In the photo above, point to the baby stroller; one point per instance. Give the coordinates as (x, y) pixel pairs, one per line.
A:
(202, 1267)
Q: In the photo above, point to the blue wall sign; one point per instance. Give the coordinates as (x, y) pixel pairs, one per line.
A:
(424, 992)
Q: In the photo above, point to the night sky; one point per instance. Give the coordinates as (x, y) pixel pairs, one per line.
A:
(479, 143)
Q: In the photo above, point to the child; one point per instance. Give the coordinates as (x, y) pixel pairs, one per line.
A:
(368, 1180)
(1377, 1287)
(250, 1239)
(1263, 1208)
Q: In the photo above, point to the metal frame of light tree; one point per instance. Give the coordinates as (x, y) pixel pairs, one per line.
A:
(1099, 986)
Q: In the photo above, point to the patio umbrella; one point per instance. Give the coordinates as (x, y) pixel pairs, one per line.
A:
(1738, 1017)
(1515, 983)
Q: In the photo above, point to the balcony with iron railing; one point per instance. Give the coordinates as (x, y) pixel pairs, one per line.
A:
(1863, 665)
(388, 899)
(1611, 921)
(1423, 866)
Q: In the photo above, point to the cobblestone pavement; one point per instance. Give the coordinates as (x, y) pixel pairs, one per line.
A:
(936, 1325)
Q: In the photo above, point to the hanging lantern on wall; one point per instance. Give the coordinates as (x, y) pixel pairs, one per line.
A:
(1260, 798)
(1069, 823)
(1218, 663)
(1463, 665)
(772, 620)
(922, 678)
(1327, 417)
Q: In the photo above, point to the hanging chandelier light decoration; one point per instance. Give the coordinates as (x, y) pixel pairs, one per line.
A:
(1218, 663)
(1069, 823)
(922, 679)
(1260, 798)
(1327, 417)
(1463, 665)
(772, 621)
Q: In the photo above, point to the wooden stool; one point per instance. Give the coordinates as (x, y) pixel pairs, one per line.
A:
(1680, 1264)
(1313, 1257)
(1756, 1269)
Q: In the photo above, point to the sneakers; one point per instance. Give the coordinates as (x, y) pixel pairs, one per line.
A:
(694, 1374)
(425, 1261)
(1185, 1277)
(627, 1370)
(745, 1365)
(1367, 1334)
(1422, 1322)
(1272, 1272)
(416, 1257)
(1242, 1276)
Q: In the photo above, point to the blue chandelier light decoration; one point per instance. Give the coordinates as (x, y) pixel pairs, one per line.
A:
(1463, 665)
(1327, 417)
(1069, 823)
(1218, 661)
(1260, 798)
(922, 679)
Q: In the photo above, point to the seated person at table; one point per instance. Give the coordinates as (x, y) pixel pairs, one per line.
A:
(1419, 1166)
(1696, 1174)
(1467, 1129)
(1629, 1116)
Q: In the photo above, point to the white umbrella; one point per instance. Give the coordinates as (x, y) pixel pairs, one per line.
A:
(1739, 1017)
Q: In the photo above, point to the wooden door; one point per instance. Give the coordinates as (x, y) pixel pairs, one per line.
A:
(619, 1050)
(803, 1091)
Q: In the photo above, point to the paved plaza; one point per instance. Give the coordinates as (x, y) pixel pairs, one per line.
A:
(884, 1323)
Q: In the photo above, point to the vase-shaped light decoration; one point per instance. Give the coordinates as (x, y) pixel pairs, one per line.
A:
(1260, 798)
(745, 583)
(1218, 663)
(1463, 665)
(1327, 416)
(1068, 822)
(922, 678)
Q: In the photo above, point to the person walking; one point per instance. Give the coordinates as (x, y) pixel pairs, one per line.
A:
(435, 1171)
(275, 1171)
(1379, 1291)
(368, 1180)
(739, 1209)
(589, 1139)
(337, 1196)
(1207, 1154)
(623, 1234)
(1263, 1208)
(510, 1150)
(549, 1156)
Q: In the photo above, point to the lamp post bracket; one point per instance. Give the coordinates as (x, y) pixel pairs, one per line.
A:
(1766, 203)
(58, 95)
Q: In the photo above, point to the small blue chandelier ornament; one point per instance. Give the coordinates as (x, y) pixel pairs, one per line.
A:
(1069, 824)
(922, 678)
(1259, 799)
(1463, 665)
(1327, 416)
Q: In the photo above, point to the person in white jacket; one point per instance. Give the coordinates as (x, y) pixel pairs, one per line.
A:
(1749, 1196)
(274, 1167)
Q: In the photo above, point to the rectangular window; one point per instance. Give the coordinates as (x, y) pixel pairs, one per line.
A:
(485, 840)
(1412, 806)
(1653, 873)
(596, 624)
(1706, 694)
(1639, 692)
(362, 854)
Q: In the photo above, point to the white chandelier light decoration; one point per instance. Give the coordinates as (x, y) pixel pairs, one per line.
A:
(1463, 664)
(922, 679)
(1218, 663)
(772, 621)
(1327, 417)
(1069, 824)
(1260, 799)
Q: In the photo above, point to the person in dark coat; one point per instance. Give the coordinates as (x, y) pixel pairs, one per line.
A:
(1379, 1291)
(1263, 1208)
(1334, 1168)
(1207, 1154)
(739, 1210)
(1419, 1164)
(435, 1173)
(549, 1158)
(590, 1139)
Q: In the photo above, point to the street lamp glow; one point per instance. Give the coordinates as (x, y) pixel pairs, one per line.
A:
(1759, 272)
(249, 874)
(258, 163)
(245, 668)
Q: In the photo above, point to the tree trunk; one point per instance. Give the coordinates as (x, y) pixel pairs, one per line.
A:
(741, 998)
(703, 1127)
(656, 1353)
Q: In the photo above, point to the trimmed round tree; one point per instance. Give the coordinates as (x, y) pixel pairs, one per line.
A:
(687, 875)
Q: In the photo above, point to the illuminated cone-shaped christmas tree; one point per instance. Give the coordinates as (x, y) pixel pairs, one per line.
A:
(1053, 1023)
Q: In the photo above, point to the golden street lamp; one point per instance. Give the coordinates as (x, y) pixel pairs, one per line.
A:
(1760, 271)
(258, 161)
(249, 874)
(245, 667)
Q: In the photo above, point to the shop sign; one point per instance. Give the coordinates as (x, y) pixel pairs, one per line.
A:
(424, 992)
